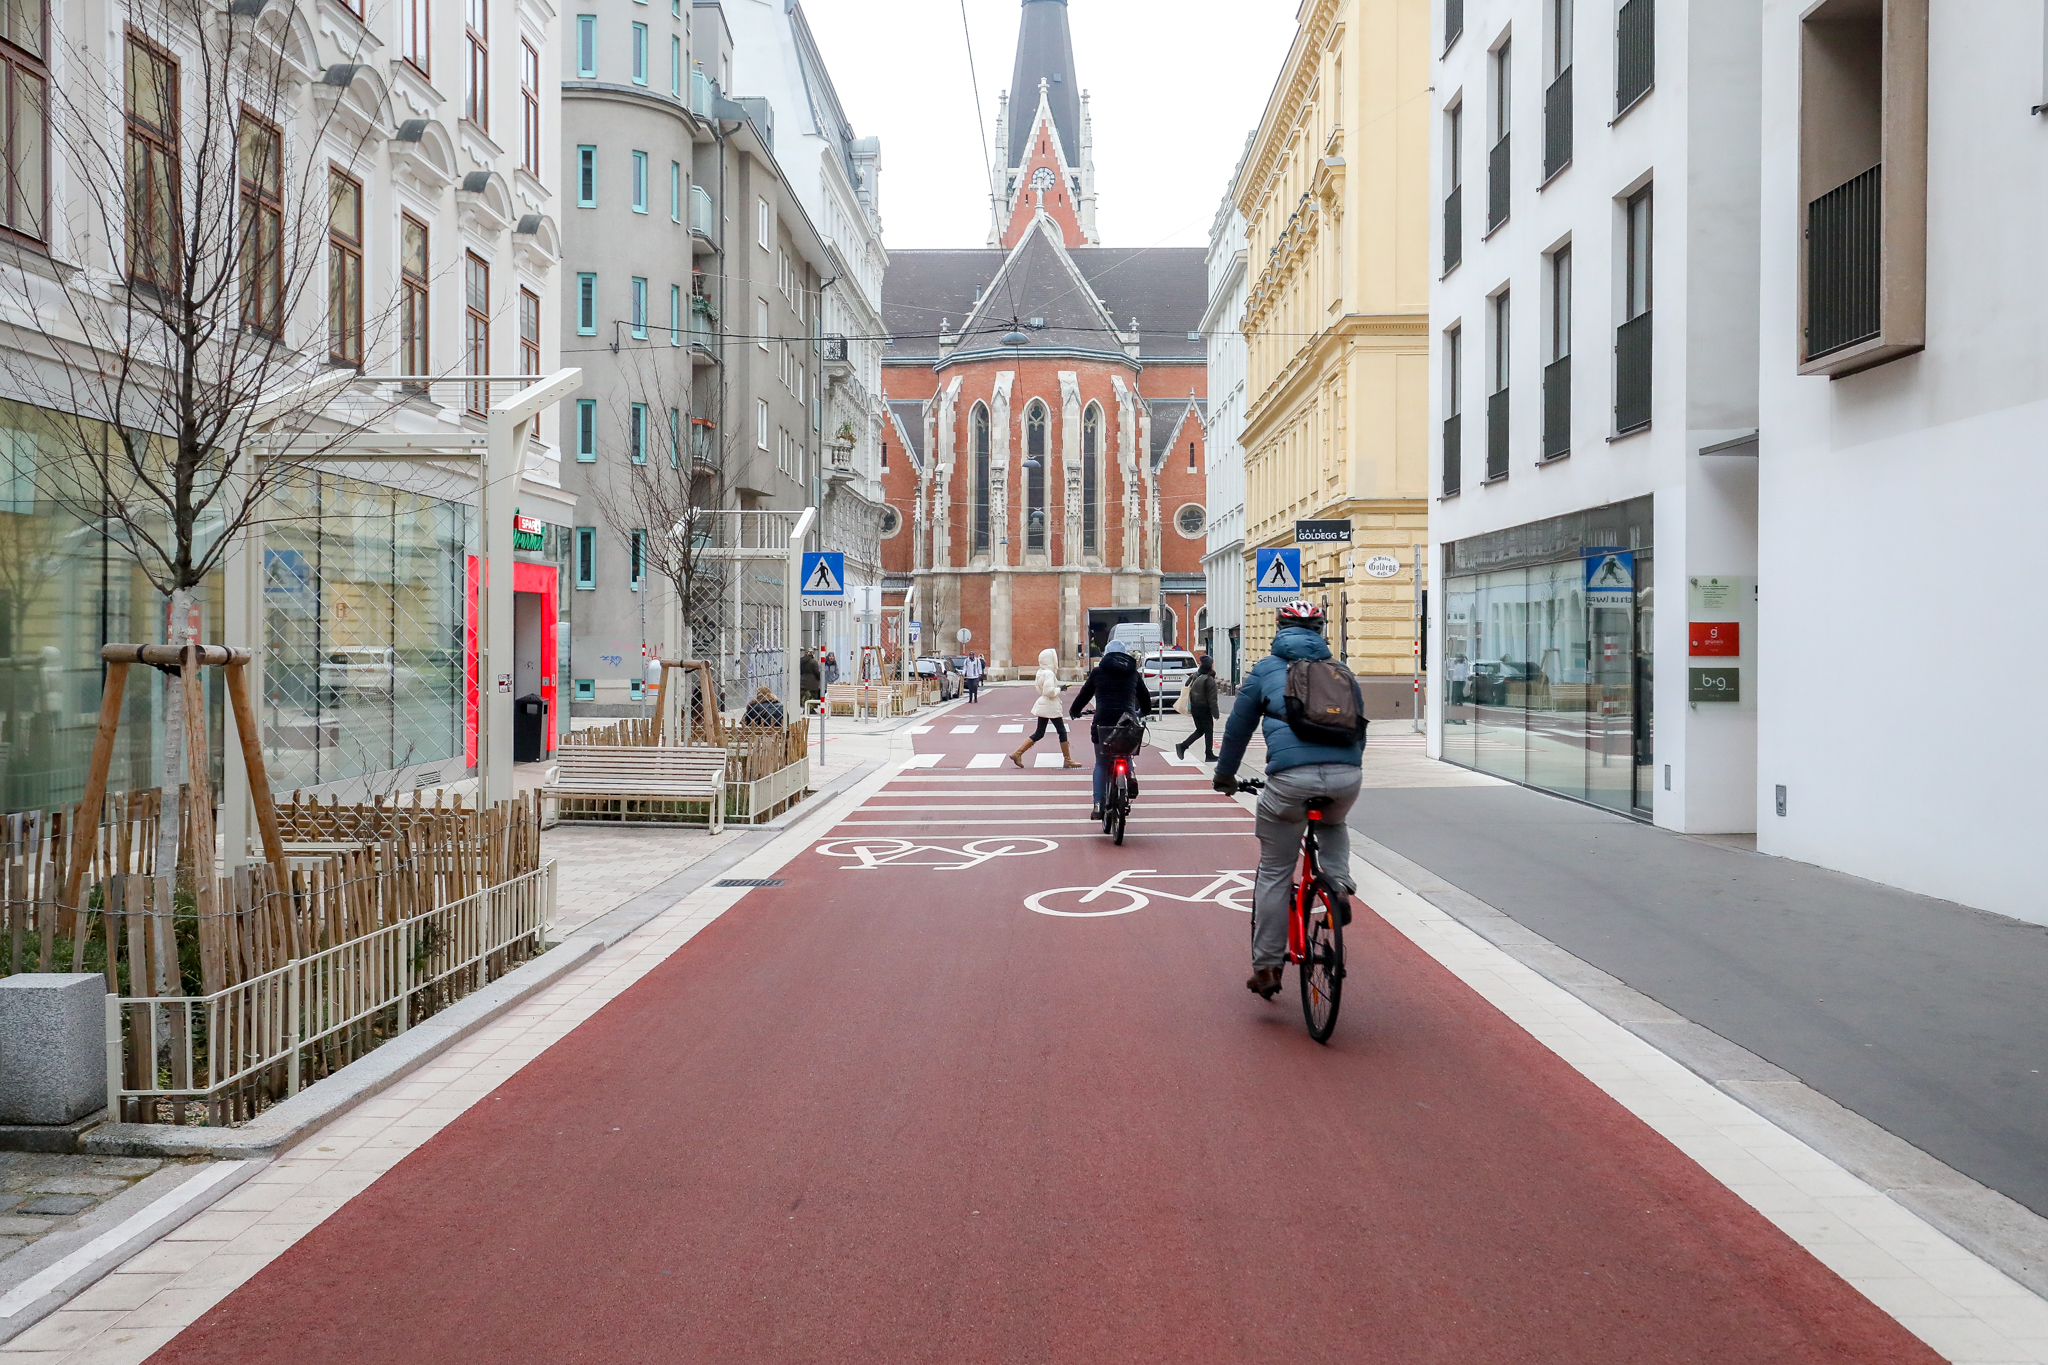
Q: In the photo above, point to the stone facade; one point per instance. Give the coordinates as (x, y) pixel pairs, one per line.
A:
(1336, 321)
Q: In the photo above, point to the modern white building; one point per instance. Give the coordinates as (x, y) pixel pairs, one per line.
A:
(1594, 396)
(1904, 400)
(1223, 559)
(836, 177)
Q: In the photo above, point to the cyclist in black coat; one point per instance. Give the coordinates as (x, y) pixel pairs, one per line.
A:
(1117, 690)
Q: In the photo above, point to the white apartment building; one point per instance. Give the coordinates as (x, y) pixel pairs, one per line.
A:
(1594, 392)
(836, 177)
(393, 169)
(1904, 396)
(1223, 559)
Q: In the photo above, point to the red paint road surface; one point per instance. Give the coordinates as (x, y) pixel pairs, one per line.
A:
(890, 1114)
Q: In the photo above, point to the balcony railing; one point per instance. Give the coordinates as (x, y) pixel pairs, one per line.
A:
(1557, 408)
(1454, 454)
(1632, 374)
(1557, 124)
(1844, 264)
(1497, 183)
(1454, 228)
(1497, 436)
(703, 213)
(832, 350)
(700, 93)
(1635, 52)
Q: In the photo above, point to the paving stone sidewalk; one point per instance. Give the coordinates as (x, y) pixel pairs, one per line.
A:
(42, 1193)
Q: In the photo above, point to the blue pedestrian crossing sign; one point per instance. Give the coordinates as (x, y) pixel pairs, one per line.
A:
(1279, 576)
(824, 581)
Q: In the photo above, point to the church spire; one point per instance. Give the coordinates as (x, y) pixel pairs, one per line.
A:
(1045, 53)
(1048, 162)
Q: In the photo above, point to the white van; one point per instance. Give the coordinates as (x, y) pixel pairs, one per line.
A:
(1139, 637)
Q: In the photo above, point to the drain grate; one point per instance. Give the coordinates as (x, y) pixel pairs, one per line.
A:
(748, 881)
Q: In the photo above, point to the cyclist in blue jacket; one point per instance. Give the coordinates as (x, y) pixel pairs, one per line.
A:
(1297, 772)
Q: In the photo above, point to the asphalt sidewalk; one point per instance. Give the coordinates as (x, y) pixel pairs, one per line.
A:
(1923, 1016)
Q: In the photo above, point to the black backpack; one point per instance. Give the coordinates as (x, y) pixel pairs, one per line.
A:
(1322, 703)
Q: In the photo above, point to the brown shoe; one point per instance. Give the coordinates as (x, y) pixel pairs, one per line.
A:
(1018, 757)
(1265, 981)
(1066, 756)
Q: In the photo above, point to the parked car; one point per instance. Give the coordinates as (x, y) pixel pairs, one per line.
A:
(951, 684)
(373, 669)
(1166, 672)
(1492, 678)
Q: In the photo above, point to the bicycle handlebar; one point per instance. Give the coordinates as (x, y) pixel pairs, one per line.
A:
(1251, 784)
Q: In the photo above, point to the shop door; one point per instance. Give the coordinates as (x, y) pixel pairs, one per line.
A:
(1646, 692)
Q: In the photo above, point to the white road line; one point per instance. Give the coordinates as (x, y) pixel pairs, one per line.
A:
(1965, 1309)
(1046, 760)
(1009, 729)
(923, 761)
(985, 761)
(965, 729)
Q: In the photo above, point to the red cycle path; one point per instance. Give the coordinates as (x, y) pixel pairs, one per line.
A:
(891, 1115)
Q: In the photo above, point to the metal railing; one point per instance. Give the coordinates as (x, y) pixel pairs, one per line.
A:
(1632, 374)
(703, 213)
(1454, 453)
(1498, 182)
(1557, 124)
(229, 1052)
(1557, 408)
(1497, 436)
(1454, 228)
(1635, 52)
(832, 349)
(1845, 264)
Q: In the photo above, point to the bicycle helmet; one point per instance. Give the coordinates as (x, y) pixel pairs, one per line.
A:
(1306, 615)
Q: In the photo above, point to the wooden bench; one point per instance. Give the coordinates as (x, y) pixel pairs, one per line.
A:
(622, 773)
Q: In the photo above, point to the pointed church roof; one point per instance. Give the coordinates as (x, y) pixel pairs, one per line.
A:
(1045, 51)
(1165, 287)
(1041, 289)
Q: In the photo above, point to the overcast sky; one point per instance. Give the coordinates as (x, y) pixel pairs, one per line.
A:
(1175, 86)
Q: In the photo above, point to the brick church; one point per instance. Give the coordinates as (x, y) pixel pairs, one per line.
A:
(1045, 459)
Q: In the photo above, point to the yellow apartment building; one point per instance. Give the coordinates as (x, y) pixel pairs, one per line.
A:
(1334, 193)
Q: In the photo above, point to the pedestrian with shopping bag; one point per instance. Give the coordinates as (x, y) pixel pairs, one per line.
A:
(1046, 707)
(1200, 699)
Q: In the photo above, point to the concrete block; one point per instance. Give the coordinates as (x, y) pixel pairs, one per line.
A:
(53, 1047)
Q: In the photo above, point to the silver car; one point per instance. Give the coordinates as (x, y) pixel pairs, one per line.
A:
(1166, 672)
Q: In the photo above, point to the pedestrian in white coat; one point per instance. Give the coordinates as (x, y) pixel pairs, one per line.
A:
(1047, 708)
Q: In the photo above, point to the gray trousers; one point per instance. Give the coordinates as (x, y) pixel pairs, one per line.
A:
(1283, 815)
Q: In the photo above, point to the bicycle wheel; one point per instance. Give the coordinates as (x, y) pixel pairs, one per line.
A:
(1121, 812)
(1322, 964)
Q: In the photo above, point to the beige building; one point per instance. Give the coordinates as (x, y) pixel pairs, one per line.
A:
(1334, 193)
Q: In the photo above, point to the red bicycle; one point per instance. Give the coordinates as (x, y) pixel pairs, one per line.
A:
(1315, 930)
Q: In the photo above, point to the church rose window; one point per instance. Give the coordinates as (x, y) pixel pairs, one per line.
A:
(892, 522)
(980, 424)
(1034, 479)
(1191, 519)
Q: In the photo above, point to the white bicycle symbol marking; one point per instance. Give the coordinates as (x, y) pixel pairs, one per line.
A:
(1232, 890)
(873, 854)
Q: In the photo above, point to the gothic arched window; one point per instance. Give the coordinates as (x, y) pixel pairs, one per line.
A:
(1034, 479)
(979, 422)
(1091, 446)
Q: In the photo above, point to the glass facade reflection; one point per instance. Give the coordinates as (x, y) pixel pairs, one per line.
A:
(363, 612)
(363, 615)
(1548, 655)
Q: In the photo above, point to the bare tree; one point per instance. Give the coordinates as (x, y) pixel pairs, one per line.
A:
(199, 328)
(666, 490)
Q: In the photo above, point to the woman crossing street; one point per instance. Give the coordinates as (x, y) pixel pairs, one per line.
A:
(1046, 707)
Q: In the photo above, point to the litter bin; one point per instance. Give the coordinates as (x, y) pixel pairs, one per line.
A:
(529, 729)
